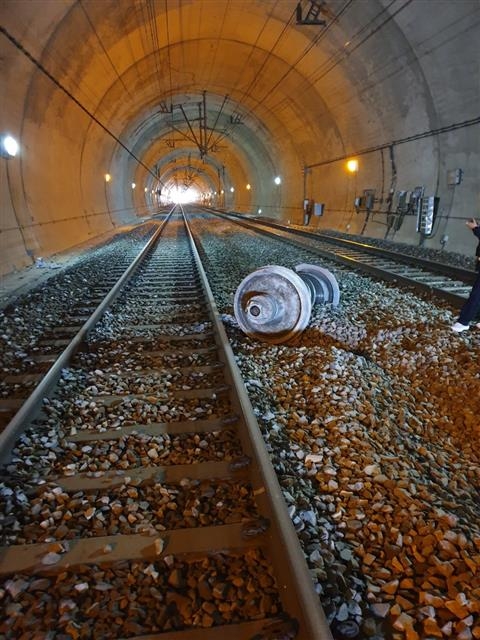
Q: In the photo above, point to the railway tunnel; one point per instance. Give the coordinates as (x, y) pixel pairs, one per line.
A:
(353, 124)
(117, 105)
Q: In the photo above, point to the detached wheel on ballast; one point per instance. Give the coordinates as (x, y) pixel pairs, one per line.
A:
(273, 304)
(322, 283)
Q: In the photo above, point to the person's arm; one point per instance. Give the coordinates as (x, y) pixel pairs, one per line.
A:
(474, 226)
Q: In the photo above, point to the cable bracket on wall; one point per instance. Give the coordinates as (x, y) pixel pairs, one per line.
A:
(312, 13)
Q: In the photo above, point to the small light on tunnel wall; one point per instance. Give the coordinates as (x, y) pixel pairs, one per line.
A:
(9, 147)
(232, 189)
(108, 177)
(278, 180)
(146, 189)
(133, 185)
(222, 191)
(248, 187)
(352, 165)
(259, 211)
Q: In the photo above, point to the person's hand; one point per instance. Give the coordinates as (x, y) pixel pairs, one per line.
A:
(472, 223)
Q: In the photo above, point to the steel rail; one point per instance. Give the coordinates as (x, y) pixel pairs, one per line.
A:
(278, 542)
(441, 268)
(32, 404)
(452, 298)
(302, 601)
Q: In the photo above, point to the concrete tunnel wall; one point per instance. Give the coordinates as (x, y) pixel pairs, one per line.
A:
(394, 84)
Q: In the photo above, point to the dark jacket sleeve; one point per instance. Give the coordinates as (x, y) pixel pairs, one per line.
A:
(476, 232)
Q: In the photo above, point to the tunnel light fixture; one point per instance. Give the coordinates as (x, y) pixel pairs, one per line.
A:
(133, 185)
(278, 180)
(222, 192)
(232, 189)
(108, 177)
(9, 146)
(248, 187)
(146, 189)
(352, 165)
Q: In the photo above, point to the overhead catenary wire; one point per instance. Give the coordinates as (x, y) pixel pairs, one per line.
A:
(155, 47)
(224, 17)
(300, 57)
(216, 121)
(386, 145)
(268, 55)
(247, 91)
(309, 80)
(344, 53)
(307, 50)
(107, 55)
(226, 132)
(340, 55)
(60, 60)
(167, 27)
(399, 63)
(62, 88)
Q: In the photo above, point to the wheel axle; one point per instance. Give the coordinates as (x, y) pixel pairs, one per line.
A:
(274, 303)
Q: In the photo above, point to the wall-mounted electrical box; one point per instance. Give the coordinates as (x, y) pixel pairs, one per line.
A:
(366, 201)
(454, 177)
(427, 212)
(414, 200)
(369, 195)
(308, 206)
(319, 208)
(400, 203)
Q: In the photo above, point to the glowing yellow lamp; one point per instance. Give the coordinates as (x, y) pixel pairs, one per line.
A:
(352, 165)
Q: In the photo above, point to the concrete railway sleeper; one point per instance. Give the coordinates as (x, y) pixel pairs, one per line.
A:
(138, 499)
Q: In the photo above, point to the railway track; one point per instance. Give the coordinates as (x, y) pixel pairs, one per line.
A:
(138, 500)
(78, 292)
(445, 282)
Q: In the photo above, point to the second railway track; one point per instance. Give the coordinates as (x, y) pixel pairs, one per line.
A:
(140, 502)
(442, 281)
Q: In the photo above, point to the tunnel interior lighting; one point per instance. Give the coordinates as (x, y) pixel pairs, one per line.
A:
(146, 189)
(133, 185)
(352, 165)
(259, 211)
(232, 189)
(108, 177)
(278, 180)
(222, 191)
(248, 187)
(184, 196)
(9, 146)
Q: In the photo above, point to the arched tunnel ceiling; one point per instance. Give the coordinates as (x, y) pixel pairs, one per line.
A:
(236, 92)
(197, 72)
(141, 67)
